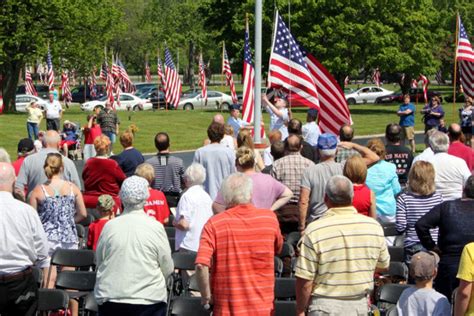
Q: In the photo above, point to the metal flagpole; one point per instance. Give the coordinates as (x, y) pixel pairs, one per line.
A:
(258, 72)
(455, 64)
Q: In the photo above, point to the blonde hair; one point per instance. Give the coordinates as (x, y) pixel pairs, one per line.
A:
(244, 138)
(421, 178)
(101, 144)
(245, 157)
(228, 130)
(126, 139)
(377, 146)
(355, 169)
(53, 165)
(145, 170)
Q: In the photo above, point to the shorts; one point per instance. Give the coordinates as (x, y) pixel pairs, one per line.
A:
(53, 245)
(408, 132)
(53, 124)
(69, 143)
(466, 130)
(320, 306)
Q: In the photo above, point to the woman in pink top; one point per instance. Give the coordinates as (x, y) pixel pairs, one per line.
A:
(364, 199)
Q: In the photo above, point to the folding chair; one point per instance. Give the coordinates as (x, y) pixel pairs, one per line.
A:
(392, 311)
(398, 269)
(287, 255)
(81, 234)
(278, 266)
(88, 220)
(285, 288)
(52, 300)
(77, 258)
(172, 242)
(399, 241)
(389, 294)
(396, 253)
(170, 231)
(389, 229)
(90, 305)
(188, 306)
(293, 238)
(285, 308)
(182, 262)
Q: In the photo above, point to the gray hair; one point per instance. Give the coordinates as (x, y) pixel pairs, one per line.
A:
(339, 190)
(195, 174)
(237, 189)
(327, 152)
(4, 156)
(439, 142)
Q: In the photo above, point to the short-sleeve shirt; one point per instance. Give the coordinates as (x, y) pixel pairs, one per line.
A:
(311, 132)
(53, 109)
(108, 121)
(156, 206)
(466, 272)
(241, 244)
(95, 228)
(278, 123)
(424, 301)
(129, 160)
(402, 158)
(91, 133)
(237, 124)
(407, 120)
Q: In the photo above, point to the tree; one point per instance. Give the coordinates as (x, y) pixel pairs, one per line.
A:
(76, 31)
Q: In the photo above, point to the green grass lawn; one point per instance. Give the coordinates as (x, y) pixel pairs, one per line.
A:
(187, 129)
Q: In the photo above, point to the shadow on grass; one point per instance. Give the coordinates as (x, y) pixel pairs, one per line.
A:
(377, 111)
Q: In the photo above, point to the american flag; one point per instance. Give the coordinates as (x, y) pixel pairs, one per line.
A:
(50, 71)
(29, 87)
(125, 79)
(103, 71)
(116, 75)
(159, 70)
(465, 58)
(147, 72)
(202, 78)
(93, 84)
(376, 77)
(109, 84)
(249, 80)
(425, 83)
(228, 75)
(65, 90)
(288, 69)
(414, 83)
(172, 81)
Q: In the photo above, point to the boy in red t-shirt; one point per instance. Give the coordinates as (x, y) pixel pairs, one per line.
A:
(91, 131)
(105, 205)
(156, 205)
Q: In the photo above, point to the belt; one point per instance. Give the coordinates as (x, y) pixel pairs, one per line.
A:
(16, 276)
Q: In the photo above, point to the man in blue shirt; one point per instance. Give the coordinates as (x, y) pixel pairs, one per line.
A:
(406, 112)
(235, 121)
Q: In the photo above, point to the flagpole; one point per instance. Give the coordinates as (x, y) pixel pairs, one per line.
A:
(455, 64)
(258, 72)
(223, 81)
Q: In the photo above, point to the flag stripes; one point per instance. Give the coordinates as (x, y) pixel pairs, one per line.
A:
(172, 81)
(228, 75)
(29, 87)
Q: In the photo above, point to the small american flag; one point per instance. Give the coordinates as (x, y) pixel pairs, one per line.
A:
(127, 83)
(116, 75)
(50, 71)
(103, 71)
(160, 72)
(93, 84)
(29, 87)
(110, 86)
(288, 69)
(65, 90)
(465, 58)
(228, 75)
(202, 78)
(376, 77)
(425, 83)
(147, 72)
(172, 81)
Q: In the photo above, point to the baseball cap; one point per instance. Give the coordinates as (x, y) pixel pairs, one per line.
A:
(234, 106)
(313, 112)
(423, 265)
(327, 141)
(105, 202)
(25, 145)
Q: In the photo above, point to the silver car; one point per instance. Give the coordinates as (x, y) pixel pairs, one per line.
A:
(22, 100)
(215, 100)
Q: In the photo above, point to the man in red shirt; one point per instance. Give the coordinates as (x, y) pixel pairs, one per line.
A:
(239, 246)
(457, 147)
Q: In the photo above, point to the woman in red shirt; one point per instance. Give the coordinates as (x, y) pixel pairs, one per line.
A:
(364, 199)
(102, 175)
(91, 131)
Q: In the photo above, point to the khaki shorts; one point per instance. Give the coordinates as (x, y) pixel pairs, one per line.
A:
(321, 306)
(408, 132)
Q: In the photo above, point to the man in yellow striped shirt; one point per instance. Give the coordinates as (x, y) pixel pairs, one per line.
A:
(340, 252)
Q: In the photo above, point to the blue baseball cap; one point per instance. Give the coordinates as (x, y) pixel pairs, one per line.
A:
(234, 106)
(327, 141)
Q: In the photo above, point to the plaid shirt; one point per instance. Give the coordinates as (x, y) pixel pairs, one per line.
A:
(343, 154)
(289, 171)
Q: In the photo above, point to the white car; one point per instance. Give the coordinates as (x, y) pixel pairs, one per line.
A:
(215, 100)
(22, 100)
(128, 101)
(366, 95)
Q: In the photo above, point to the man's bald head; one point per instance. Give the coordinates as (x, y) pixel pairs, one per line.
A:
(293, 143)
(51, 139)
(218, 118)
(7, 177)
(454, 132)
(346, 133)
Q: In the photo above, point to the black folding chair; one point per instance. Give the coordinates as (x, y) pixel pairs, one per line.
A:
(398, 270)
(396, 253)
(287, 255)
(52, 300)
(77, 258)
(278, 266)
(188, 306)
(285, 288)
(88, 220)
(388, 295)
(389, 229)
(182, 262)
(285, 308)
(90, 304)
(293, 238)
(399, 241)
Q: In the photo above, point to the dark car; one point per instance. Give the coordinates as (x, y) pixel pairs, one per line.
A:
(416, 94)
(43, 90)
(156, 97)
(79, 97)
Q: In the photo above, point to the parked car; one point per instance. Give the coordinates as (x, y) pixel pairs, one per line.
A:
(41, 89)
(128, 101)
(416, 94)
(215, 100)
(144, 87)
(22, 100)
(78, 96)
(366, 95)
(156, 97)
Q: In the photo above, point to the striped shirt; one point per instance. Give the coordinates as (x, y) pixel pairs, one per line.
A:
(169, 171)
(410, 208)
(241, 244)
(340, 252)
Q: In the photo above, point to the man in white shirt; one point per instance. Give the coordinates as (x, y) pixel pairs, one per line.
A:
(54, 113)
(311, 130)
(133, 258)
(23, 244)
(451, 172)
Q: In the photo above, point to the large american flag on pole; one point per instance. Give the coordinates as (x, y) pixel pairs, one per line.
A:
(50, 71)
(228, 74)
(29, 87)
(65, 89)
(172, 81)
(465, 59)
(202, 78)
(249, 80)
(127, 82)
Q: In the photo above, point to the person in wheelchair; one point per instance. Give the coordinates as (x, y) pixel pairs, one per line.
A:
(68, 137)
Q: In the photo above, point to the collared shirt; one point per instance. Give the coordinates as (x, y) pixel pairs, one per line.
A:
(169, 171)
(339, 253)
(311, 132)
(426, 155)
(239, 245)
(345, 153)
(289, 170)
(133, 260)
(32, 171)
(53, 109)
(23, 242)
(108, 121)
(237, 124)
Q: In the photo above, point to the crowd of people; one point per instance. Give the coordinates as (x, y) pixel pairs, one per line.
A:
(234, 207)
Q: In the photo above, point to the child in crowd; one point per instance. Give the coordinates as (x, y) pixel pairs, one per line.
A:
(442, 126)
(105, 206)
(423, 299)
